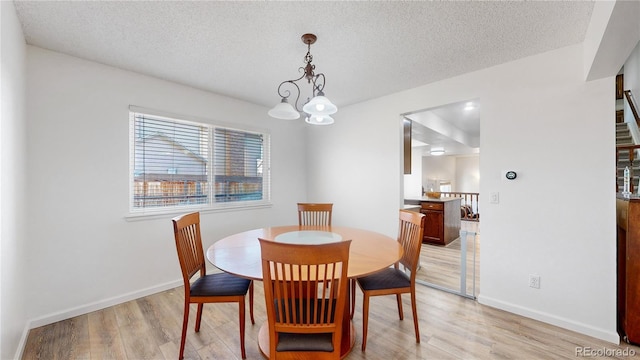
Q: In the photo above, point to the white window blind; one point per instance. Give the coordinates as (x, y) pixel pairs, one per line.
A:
(178, 164)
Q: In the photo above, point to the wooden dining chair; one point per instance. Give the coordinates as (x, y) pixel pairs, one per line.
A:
(305, 288)
(314, 214)
(207, 288)
(394, 280)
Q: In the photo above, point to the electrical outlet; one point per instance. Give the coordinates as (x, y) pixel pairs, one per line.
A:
(534, 281)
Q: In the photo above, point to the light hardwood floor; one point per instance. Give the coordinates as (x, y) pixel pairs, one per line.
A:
(440, 265)
(451, 327)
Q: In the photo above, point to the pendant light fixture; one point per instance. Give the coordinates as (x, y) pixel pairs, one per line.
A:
(318, 108)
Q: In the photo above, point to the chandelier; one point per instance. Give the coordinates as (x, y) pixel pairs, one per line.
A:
(318, 109)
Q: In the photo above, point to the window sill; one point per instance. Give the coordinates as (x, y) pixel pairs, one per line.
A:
(164, 213)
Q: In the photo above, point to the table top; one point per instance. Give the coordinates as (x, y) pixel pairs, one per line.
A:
(239, 254)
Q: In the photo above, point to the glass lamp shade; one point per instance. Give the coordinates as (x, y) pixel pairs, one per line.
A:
(284, 111)
(319, 120)
(320, 105)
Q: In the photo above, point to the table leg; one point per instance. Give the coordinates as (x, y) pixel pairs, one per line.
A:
(348, 330)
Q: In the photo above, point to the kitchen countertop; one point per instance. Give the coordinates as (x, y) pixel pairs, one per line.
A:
(411, 207)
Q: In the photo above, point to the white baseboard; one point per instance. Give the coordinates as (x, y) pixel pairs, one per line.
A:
(22, 343)
(85, 309)
(599, 333)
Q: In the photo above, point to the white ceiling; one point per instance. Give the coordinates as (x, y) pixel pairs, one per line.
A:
(245, 49)
(454, 128)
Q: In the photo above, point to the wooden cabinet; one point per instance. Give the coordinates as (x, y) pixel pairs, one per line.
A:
(619, 86)
(628, 249)
(441, 221)
(406, 125)
(433, 226)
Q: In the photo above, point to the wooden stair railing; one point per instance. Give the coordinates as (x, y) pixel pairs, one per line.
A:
(630, 149)
(632, 105)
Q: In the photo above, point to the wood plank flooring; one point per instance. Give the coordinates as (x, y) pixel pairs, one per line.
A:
(451, 327)
(440, 265)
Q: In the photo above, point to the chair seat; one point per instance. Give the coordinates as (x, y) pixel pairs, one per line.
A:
(304, 342)
(389, 278)
(221, 284)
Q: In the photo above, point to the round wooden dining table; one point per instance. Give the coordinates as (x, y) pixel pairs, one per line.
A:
(239, 254)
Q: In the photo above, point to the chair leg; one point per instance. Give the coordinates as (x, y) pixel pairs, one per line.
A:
(241, 306)
(251, 302)
(400, 312)
(353, 296)
(365, 320)
(199, 316)
(415, 315)
(185, 322)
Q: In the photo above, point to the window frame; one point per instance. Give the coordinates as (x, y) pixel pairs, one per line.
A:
(211, 205)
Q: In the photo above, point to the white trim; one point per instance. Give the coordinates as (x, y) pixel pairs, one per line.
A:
(148, 213)
(23, 342)
(562, 322)
(197, 119)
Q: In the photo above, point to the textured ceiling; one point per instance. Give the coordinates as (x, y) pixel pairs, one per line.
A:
(245, 49)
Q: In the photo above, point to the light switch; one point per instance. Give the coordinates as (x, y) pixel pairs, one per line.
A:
(495, 198)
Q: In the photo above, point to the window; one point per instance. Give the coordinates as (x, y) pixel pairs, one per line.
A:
(445, 186)
(178, 164)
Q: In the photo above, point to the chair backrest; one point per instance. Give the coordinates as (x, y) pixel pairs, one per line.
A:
(305, 289)
(314, 214)
(186, 229)
(410, 236)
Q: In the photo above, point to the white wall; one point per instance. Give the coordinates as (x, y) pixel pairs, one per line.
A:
(436, 169)
(632, 82)
(413, 181)
(467, 173)
(531, 110)
(612, 34)
(83, 254)
(462, 171)
(12, 178)
(611, 43)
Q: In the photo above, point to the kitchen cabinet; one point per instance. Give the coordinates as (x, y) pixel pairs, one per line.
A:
(442, 220)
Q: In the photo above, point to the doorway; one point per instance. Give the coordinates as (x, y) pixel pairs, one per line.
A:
(445, 153)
